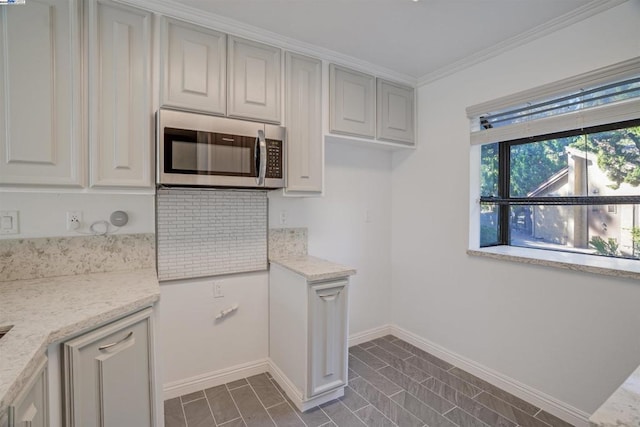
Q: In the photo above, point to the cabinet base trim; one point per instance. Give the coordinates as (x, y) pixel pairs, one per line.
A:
(296, 395)
(215, 378)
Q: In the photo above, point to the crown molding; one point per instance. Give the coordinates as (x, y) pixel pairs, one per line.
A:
(590, 9)
(173, 9)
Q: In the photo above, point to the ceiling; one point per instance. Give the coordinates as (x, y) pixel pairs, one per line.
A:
(415, 38)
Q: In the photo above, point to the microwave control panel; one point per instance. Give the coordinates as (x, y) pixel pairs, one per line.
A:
(274, 159)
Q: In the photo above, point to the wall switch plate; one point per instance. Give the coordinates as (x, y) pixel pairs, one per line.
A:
(9, 222)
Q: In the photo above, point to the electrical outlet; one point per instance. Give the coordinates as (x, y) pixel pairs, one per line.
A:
(74, 220)
(217, 290)
(283, 217)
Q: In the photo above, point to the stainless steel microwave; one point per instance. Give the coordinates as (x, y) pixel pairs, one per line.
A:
(207, 151)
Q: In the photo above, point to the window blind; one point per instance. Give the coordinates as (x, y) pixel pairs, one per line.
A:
(611, 94)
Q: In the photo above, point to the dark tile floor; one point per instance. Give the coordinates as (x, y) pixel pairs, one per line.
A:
(391, 383)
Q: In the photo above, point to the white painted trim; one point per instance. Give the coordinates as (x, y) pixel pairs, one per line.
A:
(590, 9)
(371, 334)
(215, 378)
(233, 27)
(548, 403)
(296, 395)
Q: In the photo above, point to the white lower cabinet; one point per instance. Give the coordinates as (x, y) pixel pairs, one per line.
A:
(108, 375)
(30, 408)
(308, 336)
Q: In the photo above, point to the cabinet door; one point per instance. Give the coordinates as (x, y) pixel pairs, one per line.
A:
(30, 408)
(352, 102)
(194, 67)
(303, 119)
(327, 336)
(39, 96)
(108, 375)
(254, 80)
(121, 120)
(395, 112)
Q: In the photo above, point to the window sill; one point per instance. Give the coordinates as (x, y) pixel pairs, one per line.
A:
(623, 268)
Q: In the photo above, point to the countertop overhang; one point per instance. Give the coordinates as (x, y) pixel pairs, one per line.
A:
(313, 269)
(46, 311)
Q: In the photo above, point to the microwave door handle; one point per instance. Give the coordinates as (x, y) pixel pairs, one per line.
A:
(261, 158)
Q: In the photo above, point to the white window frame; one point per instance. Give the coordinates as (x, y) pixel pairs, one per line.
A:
(596, 116)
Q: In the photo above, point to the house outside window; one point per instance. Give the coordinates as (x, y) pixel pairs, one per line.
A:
(559, 166)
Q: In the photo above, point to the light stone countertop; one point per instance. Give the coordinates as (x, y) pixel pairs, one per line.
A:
(45, 311)
(622, 408)
(314, 269)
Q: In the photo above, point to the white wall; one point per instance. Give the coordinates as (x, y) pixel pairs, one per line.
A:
(193, 343)
(44, 214)
(357, 180)
(571, 335)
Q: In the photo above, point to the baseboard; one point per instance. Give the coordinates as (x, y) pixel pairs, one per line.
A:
(548, 403)
(215, 378)
(369, 335)
(296, 395)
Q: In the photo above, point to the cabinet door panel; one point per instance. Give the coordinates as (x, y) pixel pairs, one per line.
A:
(254, 80)
(352, 102)
(108, 375)
(120, 80)
(39, 64)
(303, 119)
(395, 112)
(195, 67)
(327, 336)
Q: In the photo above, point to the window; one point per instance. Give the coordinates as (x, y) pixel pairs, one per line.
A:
(561, 172)
(577, 191)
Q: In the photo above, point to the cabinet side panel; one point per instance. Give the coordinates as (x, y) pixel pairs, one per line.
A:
(288, 324)
(327, 336)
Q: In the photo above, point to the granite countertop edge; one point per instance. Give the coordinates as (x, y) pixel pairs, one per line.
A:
(312, 268)
(32, 342)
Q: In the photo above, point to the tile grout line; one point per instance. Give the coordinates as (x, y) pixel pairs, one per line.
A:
(287, 402)
(261, 403)
(184, 414)
(227, 422)
(213, 417)
(233, 399)
(480, 390)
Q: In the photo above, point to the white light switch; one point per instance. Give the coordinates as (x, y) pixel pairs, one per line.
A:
(9, 222)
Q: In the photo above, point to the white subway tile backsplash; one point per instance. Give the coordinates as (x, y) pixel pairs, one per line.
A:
(210, 232)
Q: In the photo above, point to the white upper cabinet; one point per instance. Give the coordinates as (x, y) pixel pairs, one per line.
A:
(194, 67)
(352, 102)
(253, 80)
(120, 85)
(39, 94)
(303, 119)
(395, 112)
